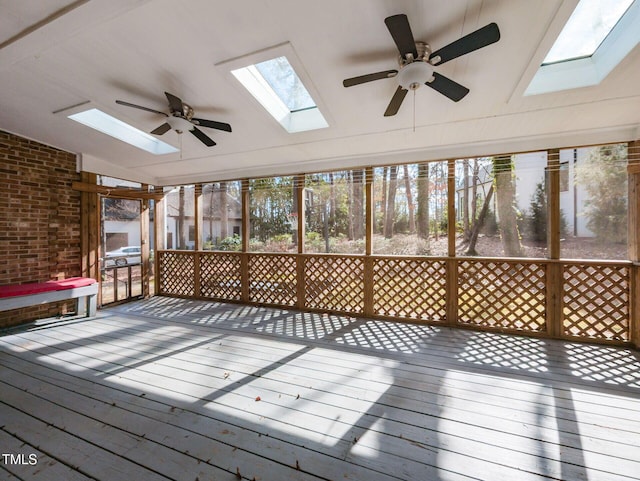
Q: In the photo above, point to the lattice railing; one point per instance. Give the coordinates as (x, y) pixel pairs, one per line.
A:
(273, 279)
(502, 294)
(177, 273)
(220, 275)
(334, 283)
(592, 297)
(412, 288)
(596, 301)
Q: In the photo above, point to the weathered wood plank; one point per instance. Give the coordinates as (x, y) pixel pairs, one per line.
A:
(89, 459)
(186, 431)
(518, 384)
(170, 449)
(343, 396)
(246, 412)
(42, 467)
(409, 437)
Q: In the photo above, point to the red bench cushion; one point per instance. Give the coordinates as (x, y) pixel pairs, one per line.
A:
(14, 290)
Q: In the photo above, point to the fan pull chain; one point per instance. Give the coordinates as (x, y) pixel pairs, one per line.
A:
(180, 137)
(414, 110)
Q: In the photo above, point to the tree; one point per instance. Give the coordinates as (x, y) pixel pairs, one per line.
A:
(358, 204)
(271, 203)
(474, 190)
(535, 221)
(536, 218)
(391, 202)
(383, 205)
(604, 177)
(410, 206)
(477, 225)
(423, 200)
(466, 228)
(505, 195)
(121, 209)
(224, 211)
(180, 231)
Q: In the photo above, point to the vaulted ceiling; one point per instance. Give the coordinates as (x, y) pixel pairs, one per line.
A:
(56, 54)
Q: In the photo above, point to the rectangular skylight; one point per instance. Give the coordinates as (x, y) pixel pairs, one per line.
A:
(105, 123)
(588, 26)
(596, 38)
(275, 84)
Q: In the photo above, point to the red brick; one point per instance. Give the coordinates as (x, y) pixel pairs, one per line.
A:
(40, 220)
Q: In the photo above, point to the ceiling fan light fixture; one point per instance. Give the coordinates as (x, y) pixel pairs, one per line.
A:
(179, 124)
(415, 74)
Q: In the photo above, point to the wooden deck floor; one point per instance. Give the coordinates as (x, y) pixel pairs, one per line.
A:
(188, 390)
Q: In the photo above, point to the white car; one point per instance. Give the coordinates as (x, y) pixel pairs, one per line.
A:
(123, 256)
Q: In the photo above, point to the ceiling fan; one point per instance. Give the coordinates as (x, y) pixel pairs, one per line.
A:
(181, 119)
(417, 61)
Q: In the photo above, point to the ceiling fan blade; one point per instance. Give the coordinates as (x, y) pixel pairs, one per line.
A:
(448, 87)
(175, 103)
(127, 104)
(202, 136)
(212, 124)
(400, 30)
(396, 102)
(350, 82)
(480, 38)
(162, 129)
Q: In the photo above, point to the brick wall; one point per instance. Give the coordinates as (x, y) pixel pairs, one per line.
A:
(39, 220)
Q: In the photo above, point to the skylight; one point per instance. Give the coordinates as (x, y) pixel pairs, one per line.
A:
(588, 26)
(275, 84)
(597, 37)
(105, 123)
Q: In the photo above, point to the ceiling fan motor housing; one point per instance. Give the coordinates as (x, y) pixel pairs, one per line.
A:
(415, 72)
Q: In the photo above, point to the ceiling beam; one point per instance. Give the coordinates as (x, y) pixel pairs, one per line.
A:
(120, 192)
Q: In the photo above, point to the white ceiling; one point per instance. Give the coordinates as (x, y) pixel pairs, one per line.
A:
(55, 54)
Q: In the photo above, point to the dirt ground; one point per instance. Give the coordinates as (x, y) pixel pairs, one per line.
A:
(491, 246)
(570, 248)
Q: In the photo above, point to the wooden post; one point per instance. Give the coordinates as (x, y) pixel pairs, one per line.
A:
(144, 244)
(90, 229)
(368, 249)
(197, 217)
(160, 235)
(298, 192)
(633, 170)
(452, 263)
(90, 232)
(246, 232)
(554, 285)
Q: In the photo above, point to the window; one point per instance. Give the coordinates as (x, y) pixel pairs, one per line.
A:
(180, 217)
(276, 85)
(410, 209)
(113, 182)
(564, 177)
(273, 218)
(335, 212)
(599, 34)
(105, 123)
(222, 216)
(588, 26)
(507, 204)
(597, 211)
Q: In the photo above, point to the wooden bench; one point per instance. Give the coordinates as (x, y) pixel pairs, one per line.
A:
(84, 289)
